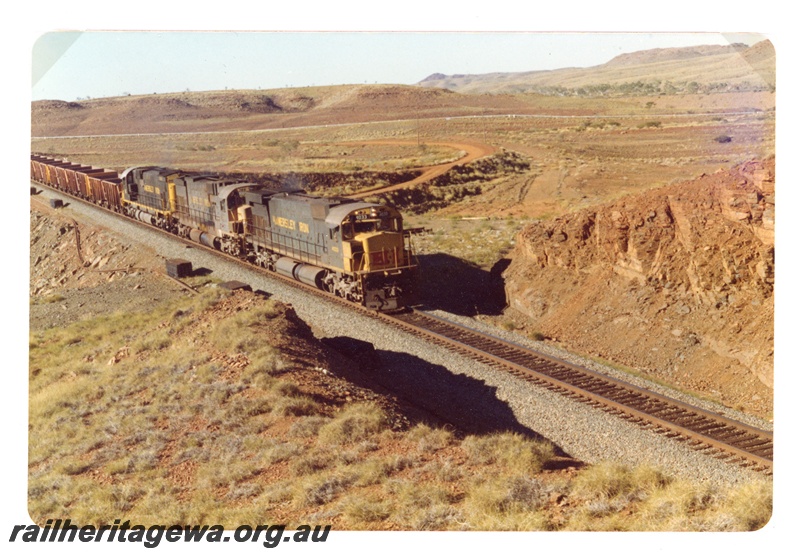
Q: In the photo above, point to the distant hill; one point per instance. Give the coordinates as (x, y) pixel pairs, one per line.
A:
(668, 71)
(707, 68)
(257, 109)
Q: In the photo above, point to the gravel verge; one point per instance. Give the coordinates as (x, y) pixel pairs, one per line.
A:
(559, 353)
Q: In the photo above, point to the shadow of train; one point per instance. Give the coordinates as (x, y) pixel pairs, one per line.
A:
(457, 286)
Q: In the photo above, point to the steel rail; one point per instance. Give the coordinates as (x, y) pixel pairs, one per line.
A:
(711, 432)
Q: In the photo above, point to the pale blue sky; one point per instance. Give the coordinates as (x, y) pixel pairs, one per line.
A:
(71, 65)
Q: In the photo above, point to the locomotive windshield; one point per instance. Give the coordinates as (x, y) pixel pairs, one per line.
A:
(359, 223)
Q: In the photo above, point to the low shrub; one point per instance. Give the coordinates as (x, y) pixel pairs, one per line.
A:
(354, 423)
(513, 451)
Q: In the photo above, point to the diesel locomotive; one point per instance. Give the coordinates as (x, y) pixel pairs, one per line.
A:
(356, 250)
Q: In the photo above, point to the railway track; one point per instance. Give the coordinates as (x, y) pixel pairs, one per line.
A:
(701, 430)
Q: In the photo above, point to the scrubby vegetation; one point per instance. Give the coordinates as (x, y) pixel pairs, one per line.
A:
(328, 183)
(190, 415)
(458, 183)
(642, 88)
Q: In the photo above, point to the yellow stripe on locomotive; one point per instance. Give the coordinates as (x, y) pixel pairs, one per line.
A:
(150, 189)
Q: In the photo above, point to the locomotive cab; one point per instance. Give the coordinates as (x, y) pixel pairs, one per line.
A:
(374, 251)
(149, 189)
(370, 237)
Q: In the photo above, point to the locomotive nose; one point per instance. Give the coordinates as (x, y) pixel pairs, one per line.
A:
(382, 250)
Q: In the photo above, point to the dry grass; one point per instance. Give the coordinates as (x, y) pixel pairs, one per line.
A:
(513, 452)
(614, 498)
(611, 480)
(168, 433)
(506, 504)
(429, 439)
(366, 513)
(480, 242)
(354, 423)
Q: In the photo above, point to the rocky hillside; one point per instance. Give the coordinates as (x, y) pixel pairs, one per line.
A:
(707, 68)
(676, 282)
(190, 111)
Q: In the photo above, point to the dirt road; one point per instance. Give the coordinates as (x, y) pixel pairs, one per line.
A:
(473, 151)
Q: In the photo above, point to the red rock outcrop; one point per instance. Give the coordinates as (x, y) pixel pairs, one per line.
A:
(676, 282)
